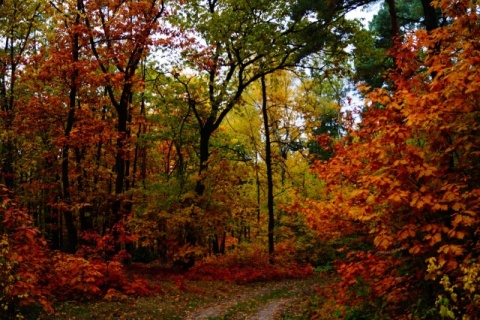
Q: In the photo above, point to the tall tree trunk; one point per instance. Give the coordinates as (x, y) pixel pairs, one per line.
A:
(67, 211)
(392, 9)
(120, 163)
(7, 100)
(257, 179)
(215, 245)
(222, 244)
(120, 159)
(68, 214)
(268, 163)
(430, 16)
(86, 220)
(205, 134)
(139, 150)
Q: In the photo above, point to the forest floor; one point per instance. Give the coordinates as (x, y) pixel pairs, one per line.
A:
(283, 299)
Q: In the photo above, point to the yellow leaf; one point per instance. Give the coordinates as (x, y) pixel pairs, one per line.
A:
(370, 199)
(383, 241)
(456, 234)
(408, 232)
(394, 197)
(452, 248)
(419, 204)
(457, 206)
(457, 220)
(444, 249)
(449, 196)
(463, 220)
(414, 250)
(472, 213)
(437, 237)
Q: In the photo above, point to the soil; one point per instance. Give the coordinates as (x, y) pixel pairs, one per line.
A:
(269, 301)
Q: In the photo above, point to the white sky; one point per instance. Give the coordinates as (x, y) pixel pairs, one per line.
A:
(365, 13)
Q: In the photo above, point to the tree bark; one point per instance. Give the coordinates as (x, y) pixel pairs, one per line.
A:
(68, 214)
(205, 134)
(392, 10)
(430, 16)
(268, 163)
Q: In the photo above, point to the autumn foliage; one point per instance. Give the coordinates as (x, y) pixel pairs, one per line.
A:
(31, 273)
(409, 176)
(249, 265)
(23, 259)
(131, 131)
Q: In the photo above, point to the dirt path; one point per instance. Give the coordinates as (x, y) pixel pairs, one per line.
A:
(219, 309)
(265, 301)
(199, 300)
(273, 309)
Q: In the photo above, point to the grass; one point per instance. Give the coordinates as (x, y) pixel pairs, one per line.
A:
(255, 302)
(233, 301)
(172, 304)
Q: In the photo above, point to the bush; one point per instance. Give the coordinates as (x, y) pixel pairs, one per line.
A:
(248, 264)
(23, 260)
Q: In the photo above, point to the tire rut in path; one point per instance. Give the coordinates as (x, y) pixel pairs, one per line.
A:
(273, 309)
(266, 311)
(220, 308)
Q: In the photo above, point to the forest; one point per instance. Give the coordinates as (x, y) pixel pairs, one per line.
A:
(241, 141)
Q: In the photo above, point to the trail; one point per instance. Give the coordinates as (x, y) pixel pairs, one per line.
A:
(283, 299)
(265, 301)
(273, 309)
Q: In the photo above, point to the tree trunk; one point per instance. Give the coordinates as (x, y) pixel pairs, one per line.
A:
(68, 214)
(7, 100)
(205, 134)
(122, 112)
(392, 9)
(268, 163)
(120, 159)
(430, 16)
(215, 246)
(257, 178)
(222, 244)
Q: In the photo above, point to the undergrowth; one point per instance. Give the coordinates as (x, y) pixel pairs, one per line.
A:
(248, 266)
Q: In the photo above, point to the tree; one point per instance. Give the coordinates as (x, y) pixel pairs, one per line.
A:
(268, 162)
(324, 95)
(290, 111)
(17, 33)
(243, 42)
(80, 71)
(23, 259)
(234, 56)
(118, 49)
(72, 42)
(68, 118)
(232, 45)
(394, 19)
(407, 178)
